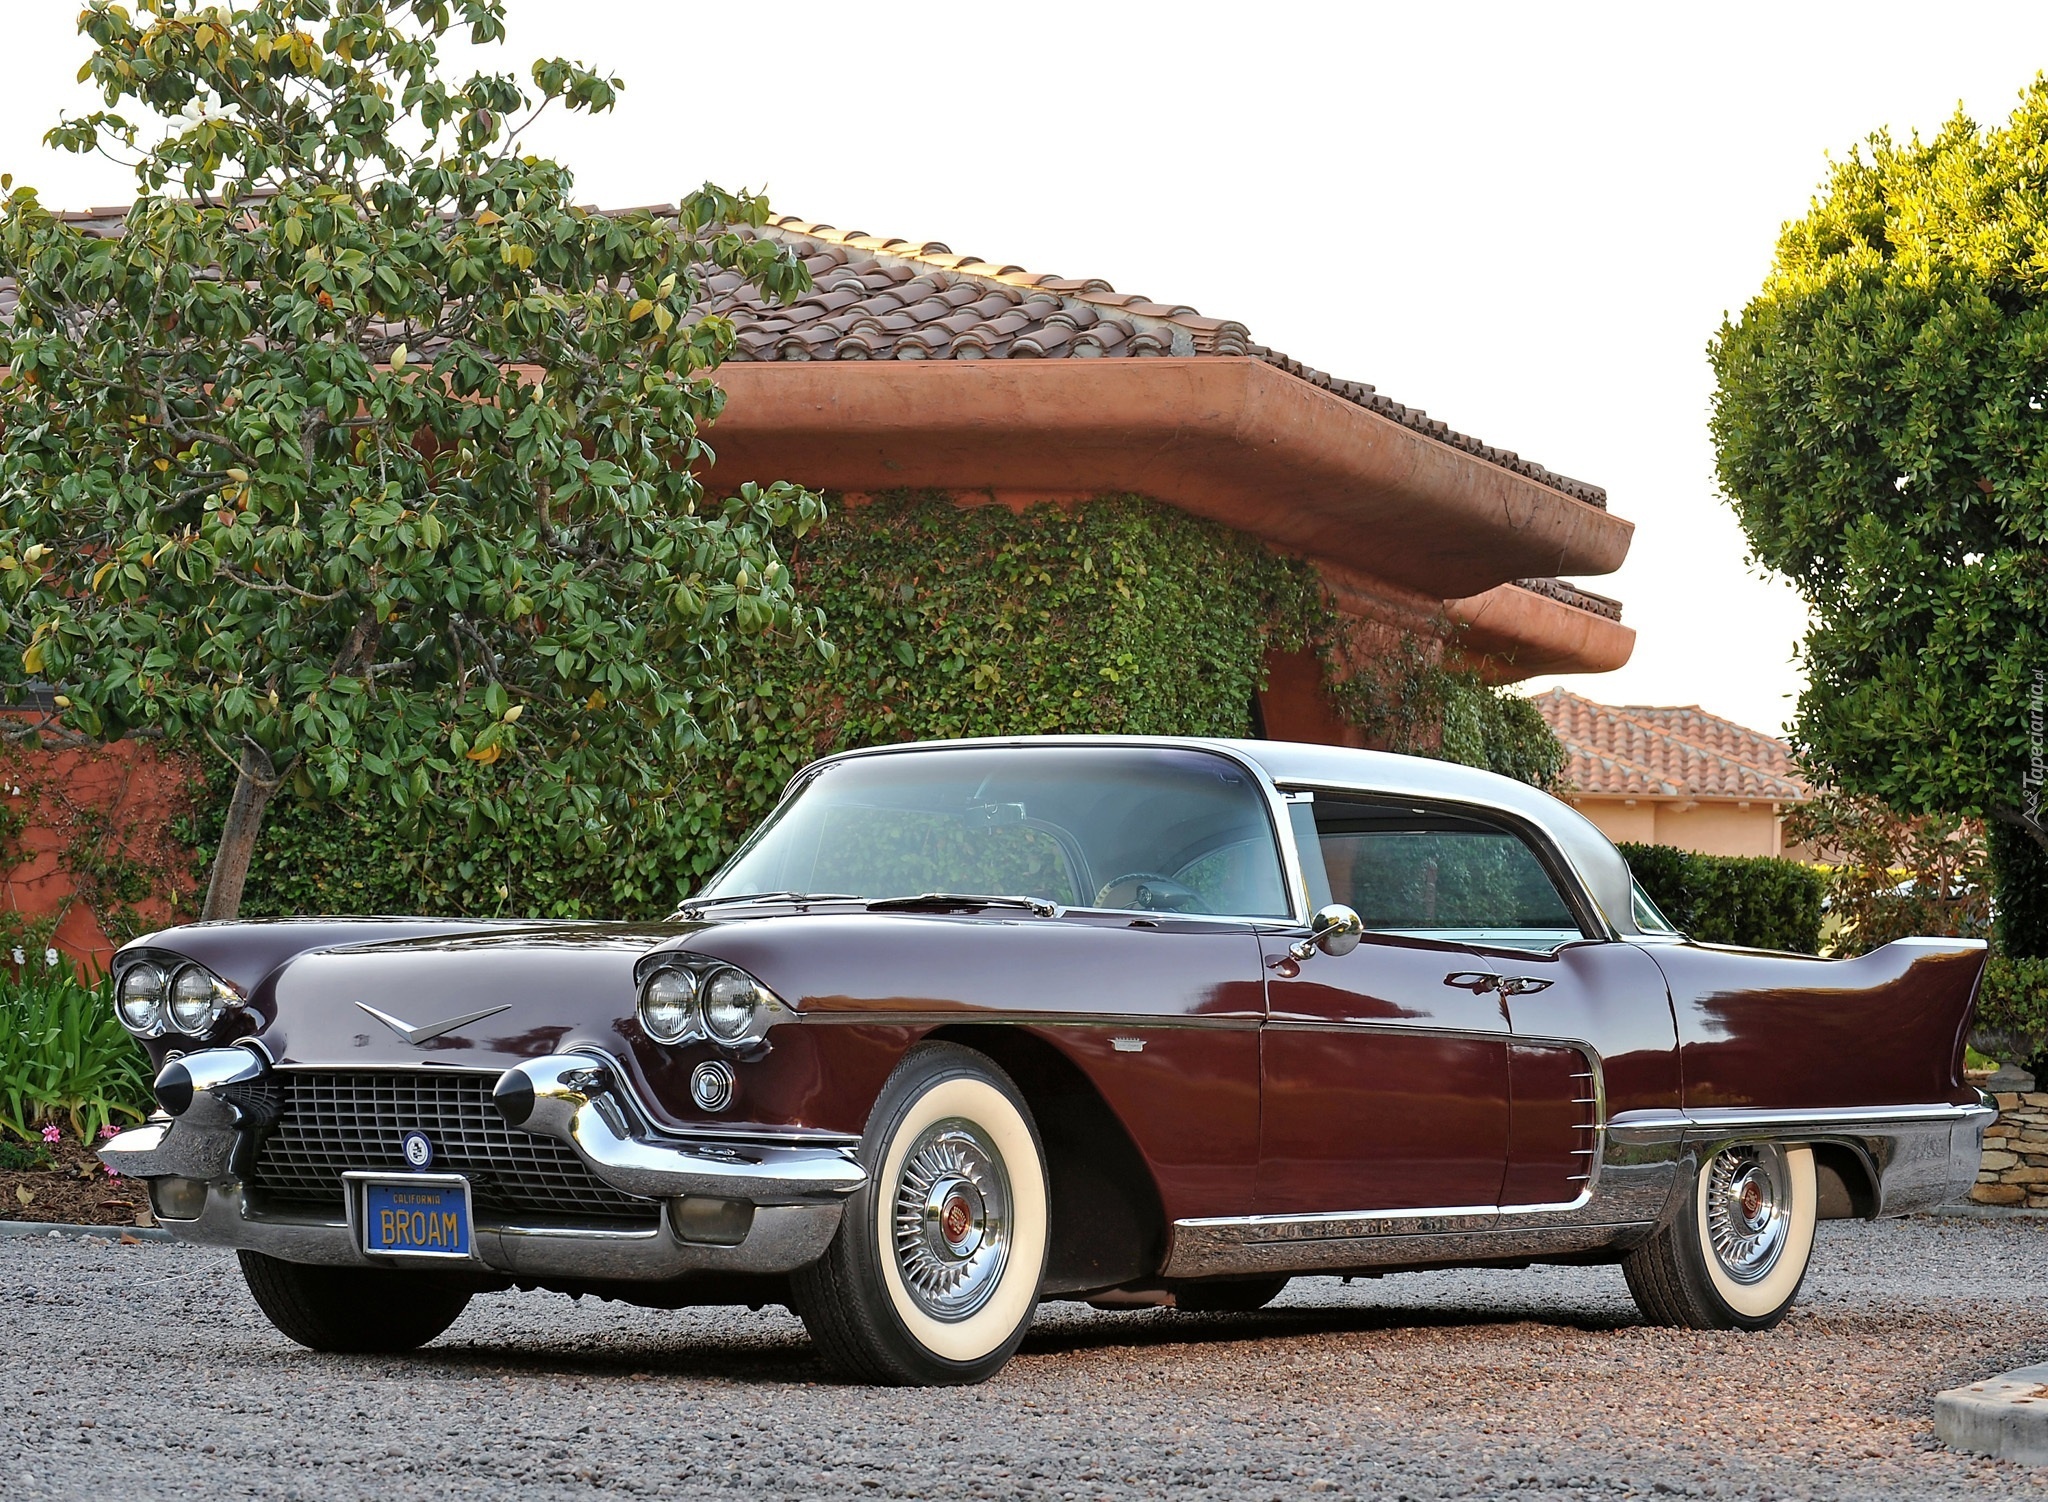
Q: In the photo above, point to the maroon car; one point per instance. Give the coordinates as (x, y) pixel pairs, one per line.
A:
(968, 1025)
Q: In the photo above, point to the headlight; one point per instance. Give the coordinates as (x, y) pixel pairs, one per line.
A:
(691, 998)
(668, 1005)
(140, 1001)
(199, 999)
(731, 1001)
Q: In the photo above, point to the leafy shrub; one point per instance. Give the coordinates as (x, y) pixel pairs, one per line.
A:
(2012, 1011)
(1121, 616)
(1757, 900)
(63, 1053)
(1893, 875)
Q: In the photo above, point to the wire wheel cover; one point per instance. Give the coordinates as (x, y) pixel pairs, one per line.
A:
(1748, 1209)
(952, 1219)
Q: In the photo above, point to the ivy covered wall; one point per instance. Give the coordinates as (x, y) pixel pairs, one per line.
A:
(1120, 615)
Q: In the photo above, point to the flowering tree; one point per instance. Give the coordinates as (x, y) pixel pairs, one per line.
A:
(362, 455)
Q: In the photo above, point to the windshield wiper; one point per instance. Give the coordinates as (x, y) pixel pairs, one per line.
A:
(939, 901)
(695, 907)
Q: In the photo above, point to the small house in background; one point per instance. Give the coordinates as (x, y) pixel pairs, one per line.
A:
(1676, 775)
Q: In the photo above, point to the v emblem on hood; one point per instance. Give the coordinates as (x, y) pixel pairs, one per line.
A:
(432, 1030)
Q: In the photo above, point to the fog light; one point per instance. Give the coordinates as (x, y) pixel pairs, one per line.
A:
(710, 1222)
(177, 1199)
(712, 1085)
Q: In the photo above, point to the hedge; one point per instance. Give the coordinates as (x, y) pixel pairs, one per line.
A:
(1121, 616)
(2012, 1012)
(1756, 900)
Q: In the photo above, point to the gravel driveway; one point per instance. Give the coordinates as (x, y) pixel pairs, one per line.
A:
(145, 1371)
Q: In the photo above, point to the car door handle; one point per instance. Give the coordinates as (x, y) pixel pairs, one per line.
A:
(1475, 981)
(1522, 985)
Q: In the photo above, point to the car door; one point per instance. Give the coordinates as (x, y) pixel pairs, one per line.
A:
(1384, 1072)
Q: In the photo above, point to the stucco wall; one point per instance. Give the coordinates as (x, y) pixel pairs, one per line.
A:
(93, 820)
(1709, 827)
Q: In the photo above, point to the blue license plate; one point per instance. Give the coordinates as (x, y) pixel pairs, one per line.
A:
(414, 1219)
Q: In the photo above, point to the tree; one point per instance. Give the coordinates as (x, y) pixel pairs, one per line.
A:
(1892, 876)
(1881, 421)
(362, 455)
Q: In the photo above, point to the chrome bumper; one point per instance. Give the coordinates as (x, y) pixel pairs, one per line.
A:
(791, 1197)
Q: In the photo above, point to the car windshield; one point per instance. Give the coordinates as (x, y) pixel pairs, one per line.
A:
(1158, 829)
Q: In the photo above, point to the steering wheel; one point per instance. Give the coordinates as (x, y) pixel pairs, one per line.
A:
(1149, 892)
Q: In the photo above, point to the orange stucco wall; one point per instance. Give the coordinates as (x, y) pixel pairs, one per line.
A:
(104, 801)
(1708, 826)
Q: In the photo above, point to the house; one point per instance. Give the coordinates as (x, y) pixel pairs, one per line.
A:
(911, 367)
(1676, 775)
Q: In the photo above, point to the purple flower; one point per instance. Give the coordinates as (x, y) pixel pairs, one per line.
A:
(51, 1134)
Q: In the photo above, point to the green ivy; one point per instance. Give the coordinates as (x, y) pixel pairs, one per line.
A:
(1119, 616)
(1756, 900)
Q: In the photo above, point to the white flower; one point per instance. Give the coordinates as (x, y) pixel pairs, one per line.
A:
(50, 958)
(19, 957)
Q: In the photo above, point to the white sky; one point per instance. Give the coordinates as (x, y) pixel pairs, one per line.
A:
(1526, 219)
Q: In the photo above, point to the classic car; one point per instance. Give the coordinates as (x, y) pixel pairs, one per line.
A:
(967, 1025)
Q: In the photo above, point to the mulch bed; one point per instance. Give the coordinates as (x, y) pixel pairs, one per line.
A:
(72, 1189)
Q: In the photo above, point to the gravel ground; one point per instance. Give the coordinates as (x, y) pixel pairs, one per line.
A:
(146, 1371)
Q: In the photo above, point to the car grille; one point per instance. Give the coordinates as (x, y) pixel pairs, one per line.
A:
(333, 1123)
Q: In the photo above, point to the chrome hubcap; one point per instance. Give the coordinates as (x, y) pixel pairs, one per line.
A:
(952, 1212)
(1748, 1211)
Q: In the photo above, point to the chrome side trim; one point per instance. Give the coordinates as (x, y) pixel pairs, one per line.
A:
(1697, 1123)
(1212, 1250)
(1921, 1156)
(1125, 1021)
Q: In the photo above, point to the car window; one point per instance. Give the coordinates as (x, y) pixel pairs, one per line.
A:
(1151, 829)
(1440, 876)
(901, 852)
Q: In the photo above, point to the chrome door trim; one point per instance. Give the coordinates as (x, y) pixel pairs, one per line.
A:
(1647, 1128)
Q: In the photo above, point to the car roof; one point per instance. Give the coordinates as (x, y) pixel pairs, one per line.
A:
(1600, 868)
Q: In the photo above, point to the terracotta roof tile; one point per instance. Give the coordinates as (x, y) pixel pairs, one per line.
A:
(1670, 752)
(1014, 314)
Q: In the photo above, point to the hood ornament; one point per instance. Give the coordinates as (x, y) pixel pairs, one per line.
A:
(433, 1030)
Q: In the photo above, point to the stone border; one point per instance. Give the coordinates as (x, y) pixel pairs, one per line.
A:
(2005, 1416)
(57, 1230)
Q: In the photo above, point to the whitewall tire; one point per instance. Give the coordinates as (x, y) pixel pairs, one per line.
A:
(1733, 1258)
(934, 1275)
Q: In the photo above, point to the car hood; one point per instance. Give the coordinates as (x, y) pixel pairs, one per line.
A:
(470, 996)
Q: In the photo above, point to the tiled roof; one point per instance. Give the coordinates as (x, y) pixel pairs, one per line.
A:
(1638, 750)
(886, 299)
(1572, 595)
(876, 298)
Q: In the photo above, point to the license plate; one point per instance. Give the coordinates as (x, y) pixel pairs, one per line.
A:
(406, 1217)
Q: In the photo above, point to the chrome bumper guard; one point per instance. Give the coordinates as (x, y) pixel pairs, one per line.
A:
(792, 1195)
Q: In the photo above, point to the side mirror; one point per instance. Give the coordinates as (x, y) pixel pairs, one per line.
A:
(1335, 929)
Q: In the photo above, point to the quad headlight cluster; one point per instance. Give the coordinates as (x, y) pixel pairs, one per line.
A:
(687, 999)
(155, 999)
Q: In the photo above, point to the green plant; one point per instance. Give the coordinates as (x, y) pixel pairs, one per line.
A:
(64, 1054)
(23, 1157)
(364, 455)
(1880, 433)
(1891, 875)
(1123, 615)
(1755, 900)
(2012, 1012)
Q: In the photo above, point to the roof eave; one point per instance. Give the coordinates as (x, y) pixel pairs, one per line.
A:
(1230, 438)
